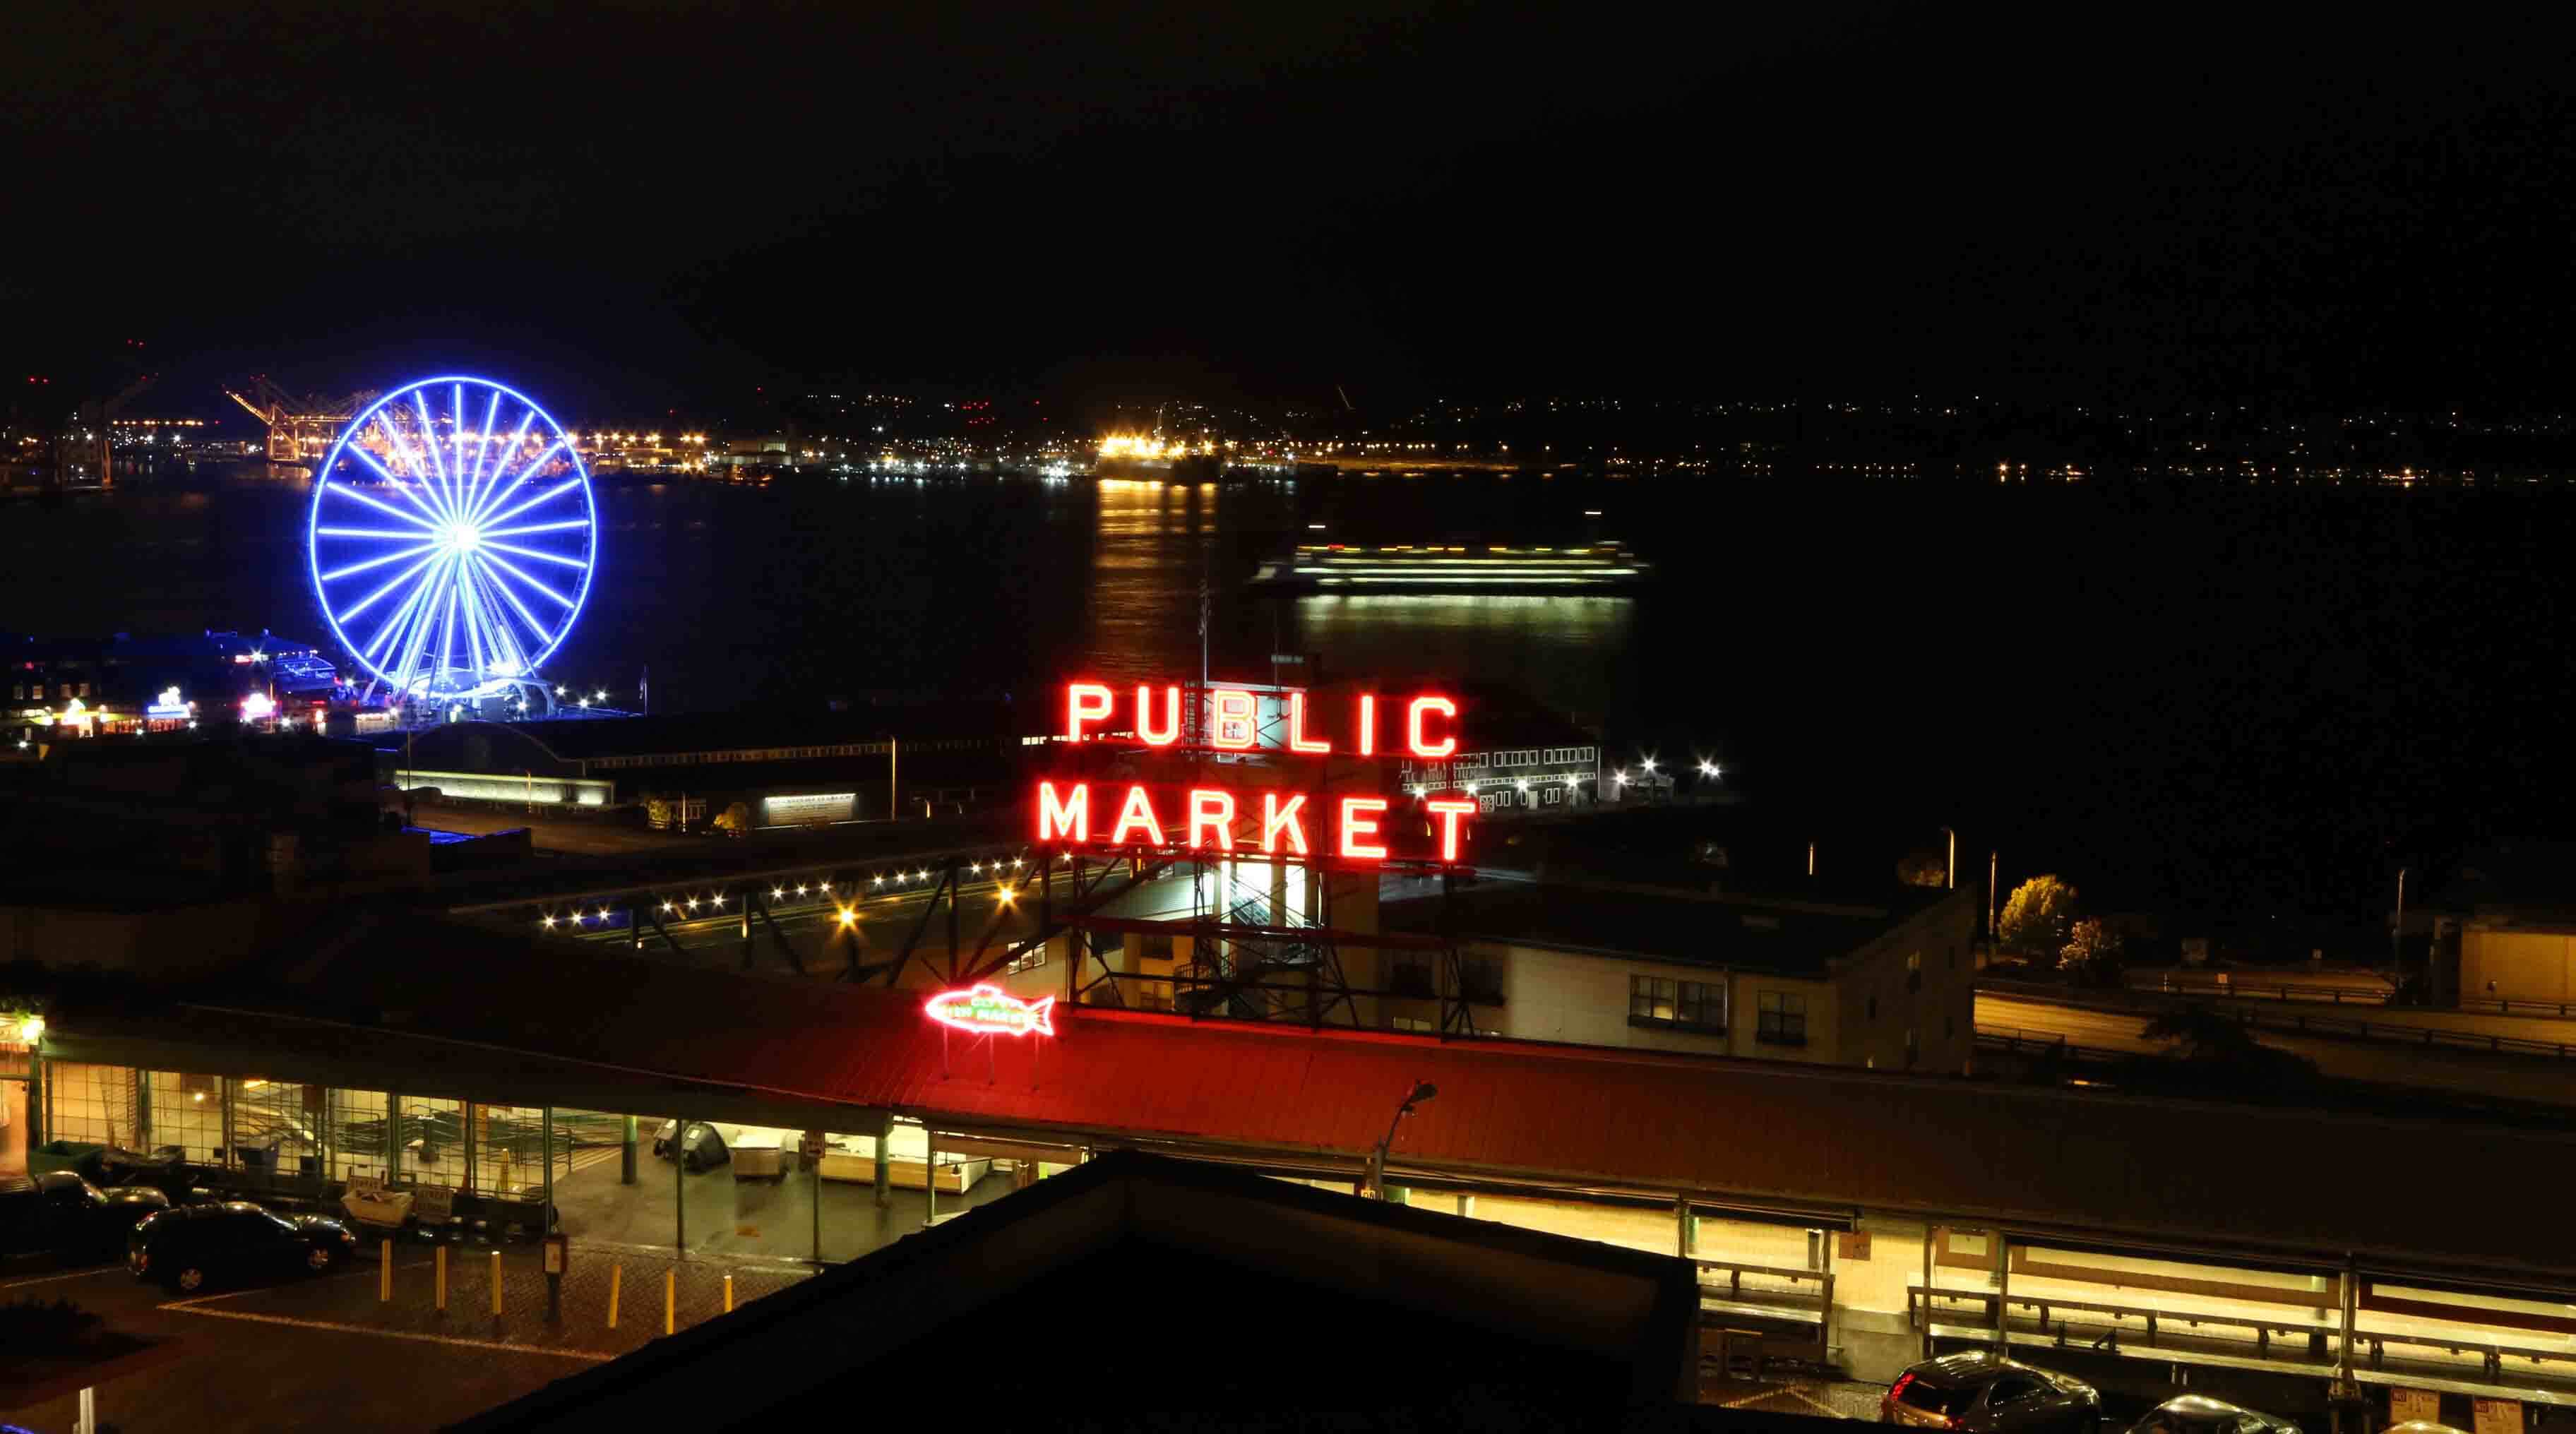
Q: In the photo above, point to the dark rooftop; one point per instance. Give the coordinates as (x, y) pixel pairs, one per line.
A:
(1790, 934)
(1316, 1303)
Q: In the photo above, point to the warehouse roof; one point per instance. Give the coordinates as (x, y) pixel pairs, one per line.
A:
(1788, 934)
(1728, 1128)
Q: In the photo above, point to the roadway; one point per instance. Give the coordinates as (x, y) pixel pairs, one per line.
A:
(2522, 1077)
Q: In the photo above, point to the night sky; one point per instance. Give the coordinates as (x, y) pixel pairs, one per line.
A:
(651, 203)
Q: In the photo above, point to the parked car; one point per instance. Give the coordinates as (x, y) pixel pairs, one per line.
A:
(702, 1148)
(59, 1213)
(1988, 1394)
(166, 1169)
(188, 1248)
(2199, 1414)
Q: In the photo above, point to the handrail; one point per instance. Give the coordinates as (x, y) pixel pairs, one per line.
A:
(2141, 1000)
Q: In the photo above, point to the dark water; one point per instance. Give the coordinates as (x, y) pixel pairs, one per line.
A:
(2247, 697)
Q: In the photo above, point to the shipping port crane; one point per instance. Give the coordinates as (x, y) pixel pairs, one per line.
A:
(82, 456)
(300, 429)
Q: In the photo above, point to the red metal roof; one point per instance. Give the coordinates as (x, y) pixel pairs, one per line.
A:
(1746, 1128)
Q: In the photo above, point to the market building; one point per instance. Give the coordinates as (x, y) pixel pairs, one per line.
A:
(1884, 984)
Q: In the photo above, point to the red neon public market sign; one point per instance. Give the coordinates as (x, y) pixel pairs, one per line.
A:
(1283, 820)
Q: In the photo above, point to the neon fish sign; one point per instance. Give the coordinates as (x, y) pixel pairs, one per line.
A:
(991, 1011)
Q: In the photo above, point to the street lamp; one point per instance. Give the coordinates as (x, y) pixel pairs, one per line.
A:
(1422, 1090)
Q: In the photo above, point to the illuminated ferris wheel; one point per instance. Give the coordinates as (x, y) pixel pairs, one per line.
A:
(452, 538)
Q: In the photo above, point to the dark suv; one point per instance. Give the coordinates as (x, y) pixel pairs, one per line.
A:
(187, 1249)
(1988, 1394)
(59, 1213)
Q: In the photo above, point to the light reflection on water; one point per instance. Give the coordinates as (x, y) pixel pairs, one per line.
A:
(1552, 647)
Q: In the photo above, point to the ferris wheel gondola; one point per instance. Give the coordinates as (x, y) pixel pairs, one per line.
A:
(452, 538)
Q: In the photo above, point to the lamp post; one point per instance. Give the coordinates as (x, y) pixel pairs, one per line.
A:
(1422, 1091)
(2397, 931)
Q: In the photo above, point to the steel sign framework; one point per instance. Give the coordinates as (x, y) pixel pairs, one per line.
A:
(452, 538)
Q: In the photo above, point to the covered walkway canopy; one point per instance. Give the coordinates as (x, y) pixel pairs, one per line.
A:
(499, 1019)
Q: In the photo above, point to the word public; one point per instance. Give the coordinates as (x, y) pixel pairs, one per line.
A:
(1272, 820)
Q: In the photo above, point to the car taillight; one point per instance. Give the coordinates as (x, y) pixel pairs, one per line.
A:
(1898, 1392)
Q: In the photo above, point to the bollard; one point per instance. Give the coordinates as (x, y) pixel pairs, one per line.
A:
(496, 1284)
(616, 1276)
(385, 1275)
(670, 1298)
(728, 1294)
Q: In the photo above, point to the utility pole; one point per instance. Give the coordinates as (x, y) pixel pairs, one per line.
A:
(2397, 930)
(1991, 908)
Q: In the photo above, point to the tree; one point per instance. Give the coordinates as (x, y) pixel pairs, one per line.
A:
(2092, 948)
(2036, 916)
(1924, 868)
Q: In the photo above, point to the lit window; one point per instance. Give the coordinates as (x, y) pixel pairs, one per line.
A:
(1780, 1019)
(1699, 1005)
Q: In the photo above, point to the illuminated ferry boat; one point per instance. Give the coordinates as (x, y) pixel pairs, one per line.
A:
(1342, 568)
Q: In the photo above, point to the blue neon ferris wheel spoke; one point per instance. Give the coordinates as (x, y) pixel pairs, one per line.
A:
(506, 566)
(406, 489)
(482, 446)
(478, 602)
(539, 628)
(488, 517)
(429, 441)
(380, 649)
(484, 660)
(345, 491)
(371, 599)
(488, 588)
(520, 532)
(533, 553)
(388, 638)
(393, 557)
(419, 639)
(403, 454)
(515, 448)
(447, 633)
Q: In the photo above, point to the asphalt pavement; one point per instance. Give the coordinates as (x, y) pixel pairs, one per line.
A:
(330, 1353)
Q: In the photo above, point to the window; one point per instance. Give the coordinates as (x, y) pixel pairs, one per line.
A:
(1480, 980)
(1690, 1005)
(1780, 1019)
(1910, 1046)
(1650, 998)
(2012, 1388)
(1409, 1023)
(1036, 957)
(84, 689)
(1914, 971)
(1410, 975)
